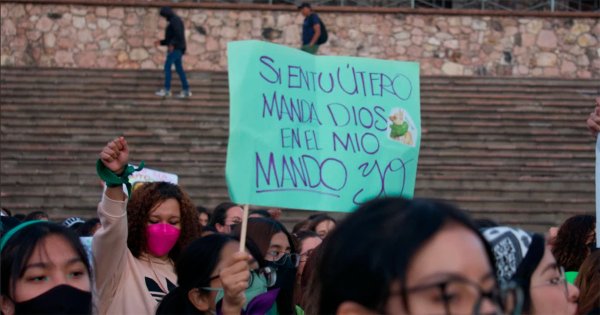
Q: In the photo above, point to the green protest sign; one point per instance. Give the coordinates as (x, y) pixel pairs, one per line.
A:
(319, 132)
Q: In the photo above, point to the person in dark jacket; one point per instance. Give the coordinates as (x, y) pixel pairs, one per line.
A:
(175, 42)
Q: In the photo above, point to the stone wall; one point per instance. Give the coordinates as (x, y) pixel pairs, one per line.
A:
(123, 37)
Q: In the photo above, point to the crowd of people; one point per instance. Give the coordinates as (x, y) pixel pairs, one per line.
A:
(152, 251)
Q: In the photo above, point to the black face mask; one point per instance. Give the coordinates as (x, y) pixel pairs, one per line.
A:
(62, 299)
(286, 272)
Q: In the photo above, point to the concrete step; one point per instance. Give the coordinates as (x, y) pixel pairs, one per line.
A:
(431, 115)
(94, 104)
(117, 74)
(492, 157)
(133, 94)
(21, 84)
(45, 88)
(515, 150)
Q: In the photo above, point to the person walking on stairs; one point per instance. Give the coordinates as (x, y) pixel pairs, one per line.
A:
(175, 42)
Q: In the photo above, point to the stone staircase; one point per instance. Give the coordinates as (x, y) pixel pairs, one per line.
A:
(511, 149)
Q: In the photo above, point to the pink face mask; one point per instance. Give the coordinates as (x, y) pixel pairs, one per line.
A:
(161, 238)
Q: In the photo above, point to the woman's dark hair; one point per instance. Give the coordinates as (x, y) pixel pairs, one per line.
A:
(588, 282)
(361, 267)
(208, 230)
(36, 215)
(261, 212)
(146, 198)
(86, 228)
(571, 244)
(318, 219)
(301, 226)
(194, 269)
(20, 246)
(302, 235)
(303, 297)
(220, 213)
(7, 224)
(201, 209)
(260, 231)
(485, 223)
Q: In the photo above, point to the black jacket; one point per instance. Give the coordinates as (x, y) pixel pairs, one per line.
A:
(175, 32)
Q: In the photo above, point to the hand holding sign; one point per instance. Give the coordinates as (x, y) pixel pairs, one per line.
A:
(234, 278)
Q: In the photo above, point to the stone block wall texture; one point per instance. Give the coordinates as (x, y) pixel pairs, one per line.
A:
(123, 37)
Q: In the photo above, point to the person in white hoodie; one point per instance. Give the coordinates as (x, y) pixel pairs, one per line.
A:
(135, 249)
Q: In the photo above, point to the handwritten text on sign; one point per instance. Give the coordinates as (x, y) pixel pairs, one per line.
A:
(319, 133)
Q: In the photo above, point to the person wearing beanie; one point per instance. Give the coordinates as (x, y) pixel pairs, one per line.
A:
(524, 259)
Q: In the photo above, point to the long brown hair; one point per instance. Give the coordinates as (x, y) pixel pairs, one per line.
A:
(261, 230)
(146, 198)
(588, 282)
(571, 244)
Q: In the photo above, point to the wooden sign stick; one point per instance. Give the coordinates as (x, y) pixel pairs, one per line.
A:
(244, 229)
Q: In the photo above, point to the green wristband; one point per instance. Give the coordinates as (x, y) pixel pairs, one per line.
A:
(113, 180)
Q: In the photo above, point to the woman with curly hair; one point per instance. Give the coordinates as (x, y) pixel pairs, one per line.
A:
(574, 241)
(135, 249)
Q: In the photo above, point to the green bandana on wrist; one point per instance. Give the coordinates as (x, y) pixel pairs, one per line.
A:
(113, 180)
